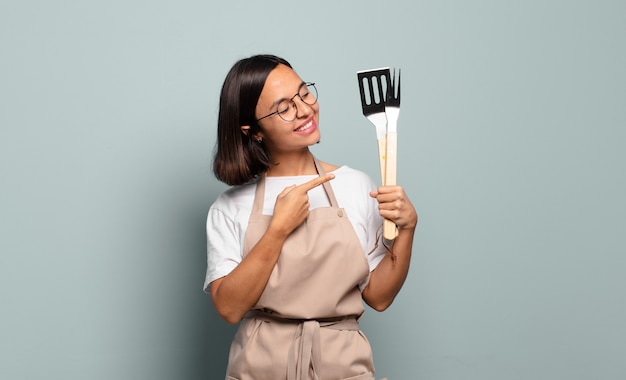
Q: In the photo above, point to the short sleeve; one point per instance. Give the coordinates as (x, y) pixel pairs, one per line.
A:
(224, 251)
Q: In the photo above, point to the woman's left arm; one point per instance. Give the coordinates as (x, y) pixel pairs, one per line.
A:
(387, 279)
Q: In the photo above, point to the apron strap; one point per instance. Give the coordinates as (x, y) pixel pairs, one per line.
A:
(329, 189)
(259, 196)
(310, 348)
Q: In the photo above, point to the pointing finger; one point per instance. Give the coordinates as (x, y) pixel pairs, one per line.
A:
(315, 182)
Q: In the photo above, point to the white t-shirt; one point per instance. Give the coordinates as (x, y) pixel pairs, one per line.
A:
(228, 217)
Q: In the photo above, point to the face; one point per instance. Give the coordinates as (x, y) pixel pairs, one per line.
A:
(279, 135)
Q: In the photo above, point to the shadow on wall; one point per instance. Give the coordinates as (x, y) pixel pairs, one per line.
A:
(213, 345)
(208, 335)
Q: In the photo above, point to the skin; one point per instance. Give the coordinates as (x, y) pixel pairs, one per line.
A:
(288, 143)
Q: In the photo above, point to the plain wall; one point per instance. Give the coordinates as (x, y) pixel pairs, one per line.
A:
(512, 131)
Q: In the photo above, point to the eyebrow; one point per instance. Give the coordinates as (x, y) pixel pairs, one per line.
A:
(276, 103)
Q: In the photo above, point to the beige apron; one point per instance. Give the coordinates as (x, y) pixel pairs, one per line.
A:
(304, 326)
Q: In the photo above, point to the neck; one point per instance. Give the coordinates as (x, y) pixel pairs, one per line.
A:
(292, 164)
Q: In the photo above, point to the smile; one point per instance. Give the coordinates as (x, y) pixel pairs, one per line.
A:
(309, 124)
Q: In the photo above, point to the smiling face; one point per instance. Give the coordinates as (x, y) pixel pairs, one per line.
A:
(280, 135)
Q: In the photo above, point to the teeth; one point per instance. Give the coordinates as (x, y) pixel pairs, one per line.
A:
(305, 126)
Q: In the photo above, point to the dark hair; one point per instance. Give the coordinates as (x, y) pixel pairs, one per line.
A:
(238, 157)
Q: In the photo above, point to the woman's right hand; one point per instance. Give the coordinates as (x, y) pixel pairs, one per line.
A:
(292, 205)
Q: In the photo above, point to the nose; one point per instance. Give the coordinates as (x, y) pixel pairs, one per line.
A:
(302, 109)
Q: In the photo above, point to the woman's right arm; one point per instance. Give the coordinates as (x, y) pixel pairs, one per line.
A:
(236, 293)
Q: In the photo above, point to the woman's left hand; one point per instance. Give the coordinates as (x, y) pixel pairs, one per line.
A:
(387, 279)
(393, 204)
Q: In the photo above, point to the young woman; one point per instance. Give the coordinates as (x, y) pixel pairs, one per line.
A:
(295, 246)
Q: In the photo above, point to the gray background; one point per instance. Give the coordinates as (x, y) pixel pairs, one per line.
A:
(511, 147)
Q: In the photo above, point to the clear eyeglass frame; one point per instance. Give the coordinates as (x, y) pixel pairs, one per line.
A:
(287, 109)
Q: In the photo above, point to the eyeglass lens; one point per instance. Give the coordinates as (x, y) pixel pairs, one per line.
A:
(287, 109)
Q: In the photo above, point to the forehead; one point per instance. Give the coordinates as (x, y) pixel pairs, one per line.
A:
(282, 82)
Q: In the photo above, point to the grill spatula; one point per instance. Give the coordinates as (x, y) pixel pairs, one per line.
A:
(374, 88)
(373, 103)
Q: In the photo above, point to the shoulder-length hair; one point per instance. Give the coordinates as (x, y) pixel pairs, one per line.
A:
(239, 158)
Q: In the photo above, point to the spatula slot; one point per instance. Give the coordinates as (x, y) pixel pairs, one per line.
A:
(374, 89)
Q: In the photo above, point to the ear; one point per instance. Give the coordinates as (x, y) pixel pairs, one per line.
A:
(258, 137)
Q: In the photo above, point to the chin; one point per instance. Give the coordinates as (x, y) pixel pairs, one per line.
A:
(315, 139)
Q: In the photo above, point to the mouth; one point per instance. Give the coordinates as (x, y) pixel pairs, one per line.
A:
(308, 126)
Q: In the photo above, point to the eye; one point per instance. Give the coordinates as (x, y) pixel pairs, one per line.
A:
(283, 107)
(304, 92)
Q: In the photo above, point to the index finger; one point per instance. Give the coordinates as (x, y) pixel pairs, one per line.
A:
(315, 182)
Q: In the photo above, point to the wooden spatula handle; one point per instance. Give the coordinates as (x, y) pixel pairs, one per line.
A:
(389, 228)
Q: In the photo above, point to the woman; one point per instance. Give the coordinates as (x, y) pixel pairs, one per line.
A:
(294, 247)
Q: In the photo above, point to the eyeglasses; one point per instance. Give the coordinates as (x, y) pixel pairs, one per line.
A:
(287, 108)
